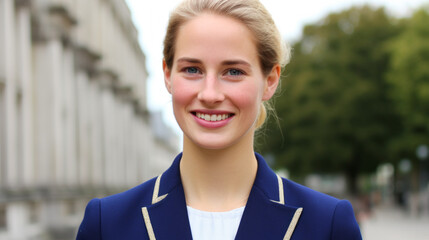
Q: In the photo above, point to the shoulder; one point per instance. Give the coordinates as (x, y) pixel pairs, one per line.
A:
(115, 210)
(130, 199)
(89, 228)
(140, 195)
(298, 194)
(344, 225)
(323, 214)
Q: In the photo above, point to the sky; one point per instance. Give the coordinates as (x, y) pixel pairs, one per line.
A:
(151, 17)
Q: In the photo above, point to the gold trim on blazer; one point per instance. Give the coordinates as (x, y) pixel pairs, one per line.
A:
(281, 191)
(155, 197)
(292, 224)
(297, 214)
(148, 224)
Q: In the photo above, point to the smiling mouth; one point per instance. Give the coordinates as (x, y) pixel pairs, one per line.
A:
(212, 117)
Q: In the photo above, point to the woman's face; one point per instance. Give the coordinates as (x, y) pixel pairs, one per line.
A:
(216, 82)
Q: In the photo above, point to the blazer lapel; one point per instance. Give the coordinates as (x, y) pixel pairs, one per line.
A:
(265, 219)
(266, 215)
(167, 216)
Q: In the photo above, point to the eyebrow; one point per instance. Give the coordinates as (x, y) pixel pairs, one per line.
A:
(236, 62)
(226, 62)
(190, 60)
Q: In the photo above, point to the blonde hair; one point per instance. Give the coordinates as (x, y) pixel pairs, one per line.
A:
(252, 14)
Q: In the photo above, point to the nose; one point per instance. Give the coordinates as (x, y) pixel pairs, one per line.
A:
(211, 91)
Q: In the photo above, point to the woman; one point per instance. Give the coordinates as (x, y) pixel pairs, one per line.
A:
(222, 62)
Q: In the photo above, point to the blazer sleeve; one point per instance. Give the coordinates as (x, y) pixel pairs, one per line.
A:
(344, 225)
(90, 228)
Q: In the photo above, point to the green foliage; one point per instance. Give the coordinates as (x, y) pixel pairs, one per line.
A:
(409, 84)
(335, 110)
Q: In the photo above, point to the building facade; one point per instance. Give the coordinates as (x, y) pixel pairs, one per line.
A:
(73, 118)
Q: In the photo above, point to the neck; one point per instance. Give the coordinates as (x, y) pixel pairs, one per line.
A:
(218, 180)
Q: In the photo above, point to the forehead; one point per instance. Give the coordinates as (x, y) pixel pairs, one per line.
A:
(212, 35)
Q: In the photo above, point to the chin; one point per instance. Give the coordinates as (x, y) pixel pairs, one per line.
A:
(217, 142)
(212, 145)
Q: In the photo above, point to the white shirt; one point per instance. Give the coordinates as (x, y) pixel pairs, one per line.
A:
(214, 225)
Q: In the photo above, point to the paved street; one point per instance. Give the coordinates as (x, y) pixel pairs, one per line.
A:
(394, 224)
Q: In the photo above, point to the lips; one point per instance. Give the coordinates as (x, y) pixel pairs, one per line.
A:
(212, 116)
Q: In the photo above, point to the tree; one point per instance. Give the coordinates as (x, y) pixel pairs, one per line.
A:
(408, 79)
(334, 110)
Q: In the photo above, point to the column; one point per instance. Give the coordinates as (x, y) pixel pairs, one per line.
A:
(109, 115)
(111, 150)
(107, 132)
(3, 16)
(96, 125)
(2, 136)
(85, 65)
(119, 152)
(70, 121)
(131, 168)
(142, 148)
(43, 123)
(137, 146)
(135, 149)
(149, 139)
(12, 167)
(84, 136)
(120, 140)
(56, 56)
(49, 109)
(27, 87)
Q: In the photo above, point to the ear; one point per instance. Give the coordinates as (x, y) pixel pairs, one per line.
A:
(167, 76)
(271, 82)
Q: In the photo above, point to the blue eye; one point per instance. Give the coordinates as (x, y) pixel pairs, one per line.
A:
(234, 72)
(192, 70)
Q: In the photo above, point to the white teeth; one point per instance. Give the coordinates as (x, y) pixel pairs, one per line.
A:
(213, 117)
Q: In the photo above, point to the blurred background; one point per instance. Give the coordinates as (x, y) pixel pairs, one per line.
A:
(84, 113)
(74, 122)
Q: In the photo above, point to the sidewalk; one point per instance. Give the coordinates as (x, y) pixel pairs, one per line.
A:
(394, 224)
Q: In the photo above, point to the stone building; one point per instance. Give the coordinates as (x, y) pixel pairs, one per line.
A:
(73, 118)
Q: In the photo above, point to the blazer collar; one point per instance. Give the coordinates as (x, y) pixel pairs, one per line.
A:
(265, 212)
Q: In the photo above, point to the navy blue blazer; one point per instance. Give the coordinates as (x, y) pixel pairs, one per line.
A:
(277, 208)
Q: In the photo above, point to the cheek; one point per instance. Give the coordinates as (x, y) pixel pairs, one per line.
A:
(247, 97)
(181, 92)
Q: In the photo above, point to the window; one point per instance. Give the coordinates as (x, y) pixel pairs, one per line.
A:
(2, 134)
